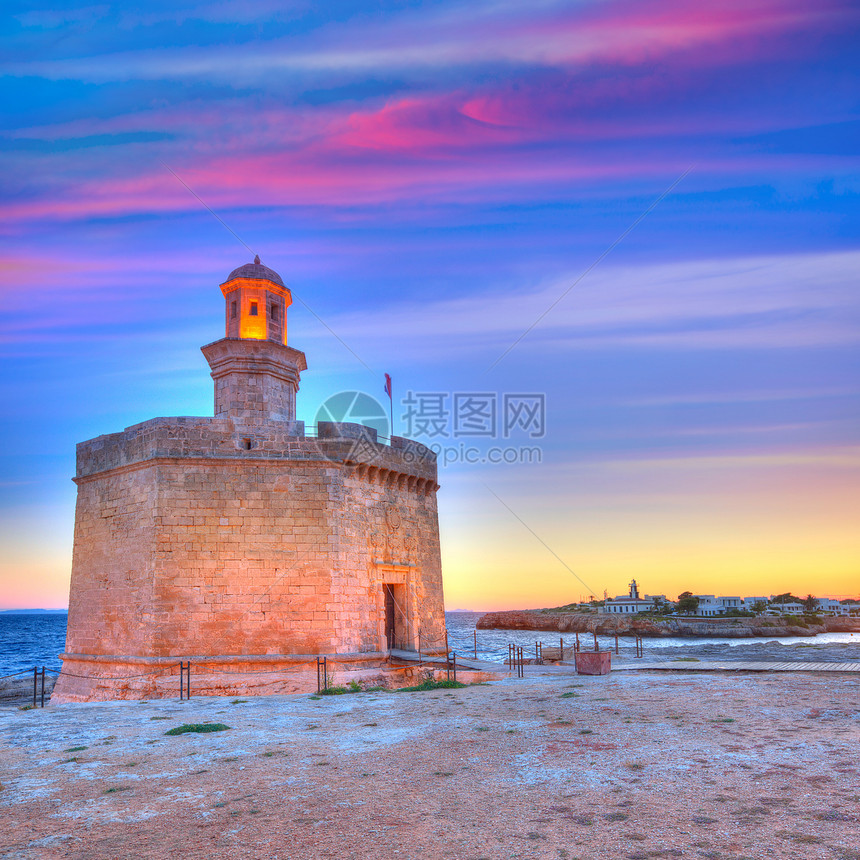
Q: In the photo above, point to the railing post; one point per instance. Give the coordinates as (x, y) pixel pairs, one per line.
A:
(616, 643)
(184, 689)
(560, 648)
(35, 675)
(596, 646)
(576, 646)
(476, 644)
(454, 664)
(43, 686)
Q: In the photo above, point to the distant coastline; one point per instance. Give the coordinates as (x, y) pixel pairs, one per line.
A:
(33, 611)
(692, 627)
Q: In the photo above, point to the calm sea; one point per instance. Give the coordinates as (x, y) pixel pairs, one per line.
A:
(31, 640)
(493, 644)
(36, 640)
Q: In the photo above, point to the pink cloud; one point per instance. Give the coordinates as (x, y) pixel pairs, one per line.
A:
(419, 125)
(636, 32)
(476, 140)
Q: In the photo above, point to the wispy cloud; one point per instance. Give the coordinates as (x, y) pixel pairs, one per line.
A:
(787, 301)
(624, 32)
(731, 397)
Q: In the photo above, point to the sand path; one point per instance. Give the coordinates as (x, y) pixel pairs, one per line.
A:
(626, 766)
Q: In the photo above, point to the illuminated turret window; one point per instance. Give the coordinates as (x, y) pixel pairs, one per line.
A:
(256, 304)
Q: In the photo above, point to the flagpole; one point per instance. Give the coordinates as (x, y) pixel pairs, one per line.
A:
(389, 390)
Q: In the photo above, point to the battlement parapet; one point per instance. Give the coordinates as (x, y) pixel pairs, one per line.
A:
(188, 437)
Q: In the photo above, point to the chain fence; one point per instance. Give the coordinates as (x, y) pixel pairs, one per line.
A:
(430, 652)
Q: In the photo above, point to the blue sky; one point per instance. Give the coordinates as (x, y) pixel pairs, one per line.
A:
(430, 179)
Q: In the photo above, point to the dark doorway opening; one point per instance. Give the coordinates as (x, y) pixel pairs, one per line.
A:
(390, 626)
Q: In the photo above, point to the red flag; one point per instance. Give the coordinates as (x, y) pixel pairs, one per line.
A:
(388, 385)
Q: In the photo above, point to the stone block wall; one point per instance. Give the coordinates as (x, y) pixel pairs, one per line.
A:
(191, 543)
(255, 380)
(113, 567)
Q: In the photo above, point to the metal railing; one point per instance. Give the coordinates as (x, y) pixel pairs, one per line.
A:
(434, 650)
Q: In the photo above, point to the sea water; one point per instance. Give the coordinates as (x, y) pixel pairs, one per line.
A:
(37, 640)
(31, 640)
(493, 644)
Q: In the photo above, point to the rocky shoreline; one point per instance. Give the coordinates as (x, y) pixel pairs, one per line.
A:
(610, 625)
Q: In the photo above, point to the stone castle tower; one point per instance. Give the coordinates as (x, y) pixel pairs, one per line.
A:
(242, 543)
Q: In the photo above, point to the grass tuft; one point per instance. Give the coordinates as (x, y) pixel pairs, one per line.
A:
(198, 728)
(432, 685)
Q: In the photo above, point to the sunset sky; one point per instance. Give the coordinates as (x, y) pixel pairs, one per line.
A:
(646, 212)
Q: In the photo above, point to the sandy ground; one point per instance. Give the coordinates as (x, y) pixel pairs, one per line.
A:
(634, 765)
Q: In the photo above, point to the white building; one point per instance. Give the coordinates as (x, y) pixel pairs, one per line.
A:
(786, 608)
(749, 602)
(829, 606)
(710, 604)
(628, 604)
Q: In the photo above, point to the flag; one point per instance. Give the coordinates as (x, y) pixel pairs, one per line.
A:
(388, 385)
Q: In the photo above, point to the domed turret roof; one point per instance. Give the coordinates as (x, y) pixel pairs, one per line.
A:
(257, 271)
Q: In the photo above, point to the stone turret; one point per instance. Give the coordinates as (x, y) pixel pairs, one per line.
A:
(243, 545)
(256, 374)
